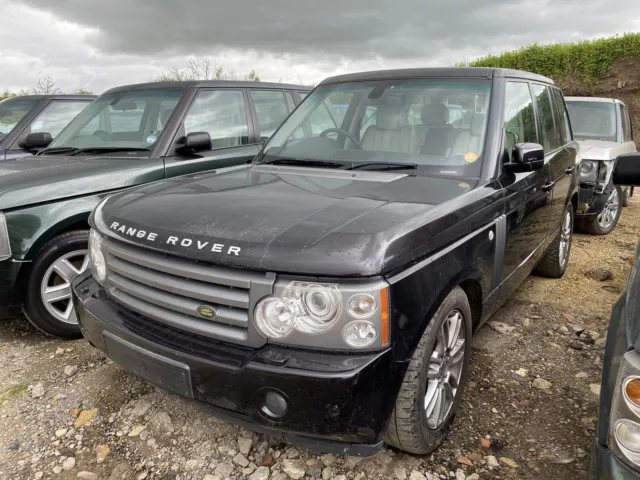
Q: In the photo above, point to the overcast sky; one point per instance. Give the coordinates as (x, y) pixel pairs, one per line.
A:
(98, 44)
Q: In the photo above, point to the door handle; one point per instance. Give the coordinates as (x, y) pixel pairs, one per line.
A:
(547, 187)
(569, 170)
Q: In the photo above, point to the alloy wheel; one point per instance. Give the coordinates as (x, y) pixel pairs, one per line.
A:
(55, 289)
(565, 238)
(445, 369)
(608, 215)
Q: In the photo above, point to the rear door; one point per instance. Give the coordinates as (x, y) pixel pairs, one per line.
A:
(225, 115)
(553, 125)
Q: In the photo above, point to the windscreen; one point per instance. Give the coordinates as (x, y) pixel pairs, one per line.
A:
(11, 112)
(593, 120)
(133, 119)
(438, 126)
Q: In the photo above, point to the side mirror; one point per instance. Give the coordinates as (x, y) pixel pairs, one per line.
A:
(34, 141)
(626, 170)
(527, 157)
(196, 142)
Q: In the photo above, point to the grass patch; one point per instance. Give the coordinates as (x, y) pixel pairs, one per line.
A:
(14, 391)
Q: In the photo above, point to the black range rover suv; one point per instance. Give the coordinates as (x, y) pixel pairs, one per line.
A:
(328, 291)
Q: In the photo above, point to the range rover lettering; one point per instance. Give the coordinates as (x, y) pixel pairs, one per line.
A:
(372, 242)
(129, 136)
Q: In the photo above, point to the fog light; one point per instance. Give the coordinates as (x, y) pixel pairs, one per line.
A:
(275, 405)
(359, 334)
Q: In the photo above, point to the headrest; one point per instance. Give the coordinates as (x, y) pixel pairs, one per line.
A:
(390, 117)
(435, 114)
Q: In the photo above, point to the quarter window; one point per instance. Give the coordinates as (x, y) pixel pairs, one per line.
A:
(563, 116)
(221, 113)
(271, 110)
(626, 124)
(549, 134)
(519, 120)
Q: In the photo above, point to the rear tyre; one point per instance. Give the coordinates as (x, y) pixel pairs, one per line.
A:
(555, 261)
(604, 222)
(432, 386)
(47, 303)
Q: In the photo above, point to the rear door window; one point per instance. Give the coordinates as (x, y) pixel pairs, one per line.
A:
(564, 128)
(550, 138)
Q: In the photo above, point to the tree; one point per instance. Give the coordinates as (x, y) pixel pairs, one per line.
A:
(202, 68)
(46, 86)
(82, 91)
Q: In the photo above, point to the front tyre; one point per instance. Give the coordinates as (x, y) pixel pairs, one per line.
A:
(605, 221)
(555, 261)
(47, 303)
(432, 386)
(627, 192)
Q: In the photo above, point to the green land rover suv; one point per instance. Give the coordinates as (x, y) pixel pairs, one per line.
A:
(129, 136)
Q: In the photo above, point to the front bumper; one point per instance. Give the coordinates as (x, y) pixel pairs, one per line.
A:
(9, 290)
(606, 466)
(589, 201)
(338, 403)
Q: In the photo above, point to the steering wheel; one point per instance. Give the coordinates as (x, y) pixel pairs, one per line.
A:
(337, 130)
(103, 134)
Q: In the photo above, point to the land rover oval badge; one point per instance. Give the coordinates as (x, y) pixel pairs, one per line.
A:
(206, 311)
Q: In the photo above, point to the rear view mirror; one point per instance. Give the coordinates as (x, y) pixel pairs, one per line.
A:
(527, 157)
(626, 170)
(196, 142)
(124, 105)
(34, 141)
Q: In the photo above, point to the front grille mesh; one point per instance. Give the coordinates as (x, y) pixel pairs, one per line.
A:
(170, 289)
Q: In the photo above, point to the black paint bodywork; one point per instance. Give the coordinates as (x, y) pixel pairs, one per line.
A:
(423, 234)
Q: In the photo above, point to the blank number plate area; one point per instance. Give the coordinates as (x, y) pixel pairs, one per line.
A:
(161, 371)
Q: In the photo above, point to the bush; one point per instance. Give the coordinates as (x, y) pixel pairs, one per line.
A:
(582, 63)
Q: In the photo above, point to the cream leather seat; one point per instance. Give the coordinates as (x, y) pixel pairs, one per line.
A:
(391, 133)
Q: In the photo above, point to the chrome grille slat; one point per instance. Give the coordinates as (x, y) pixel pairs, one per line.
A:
(177, 320)
(177, 303)
(182, 286)
(170, 289)
(181, 267)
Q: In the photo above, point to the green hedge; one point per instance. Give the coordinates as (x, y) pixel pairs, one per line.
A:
(584, 62)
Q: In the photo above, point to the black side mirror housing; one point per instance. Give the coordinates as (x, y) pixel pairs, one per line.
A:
(196, 142)
(527, 157)
(626, 170)
(35, 141)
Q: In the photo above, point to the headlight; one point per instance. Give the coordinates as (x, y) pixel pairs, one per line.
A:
(98, 265)
(5, 247)
(314, 315)
(588, 171)
(624, 421)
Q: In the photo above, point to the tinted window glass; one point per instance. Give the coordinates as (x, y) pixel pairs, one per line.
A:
(563, 116)
(550, 138)
(221, 113)
(519, 120)
(119, 120)
(166, 109)
(11, 112)
(56, 116)
(271, 110)
(593, 120)
(626, 124)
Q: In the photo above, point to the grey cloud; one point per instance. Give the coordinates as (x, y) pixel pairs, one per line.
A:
(355, 30)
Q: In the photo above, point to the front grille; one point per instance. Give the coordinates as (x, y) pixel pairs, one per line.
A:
(170, 290)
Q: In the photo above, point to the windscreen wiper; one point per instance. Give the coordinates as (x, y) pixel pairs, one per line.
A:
(304, 163)
(383, 166)
(78, 151)
(54, 150)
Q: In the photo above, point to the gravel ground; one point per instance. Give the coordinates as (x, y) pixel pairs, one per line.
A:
(529, 409)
